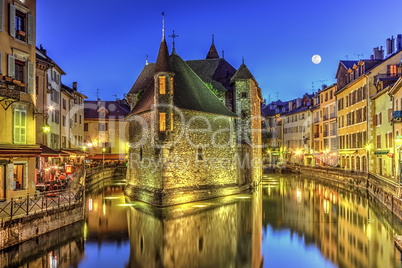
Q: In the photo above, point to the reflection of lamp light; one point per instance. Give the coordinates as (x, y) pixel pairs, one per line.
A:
(84, 148)
(103, 157)
(368, 148)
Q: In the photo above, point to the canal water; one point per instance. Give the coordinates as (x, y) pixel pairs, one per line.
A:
(290, 221)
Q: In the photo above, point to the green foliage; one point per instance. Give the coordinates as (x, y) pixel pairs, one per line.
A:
(219, 94)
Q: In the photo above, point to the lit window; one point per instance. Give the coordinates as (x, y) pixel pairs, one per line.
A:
(19, 176)
(20, 25)
(162, 121)
(162, 85)
(171, 85)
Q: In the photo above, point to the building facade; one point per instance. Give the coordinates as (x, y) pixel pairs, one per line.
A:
(18, 149)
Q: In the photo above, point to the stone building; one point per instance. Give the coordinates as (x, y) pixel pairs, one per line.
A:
(185, 143)
(18, 149)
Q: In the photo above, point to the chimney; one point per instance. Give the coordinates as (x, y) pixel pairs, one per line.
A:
(75, 86)
(324, 86)
(378, 53)
(390, 45)
(399, 42)
(290, 105)
(298, 102)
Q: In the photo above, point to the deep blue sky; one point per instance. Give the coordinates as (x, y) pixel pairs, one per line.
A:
(103, 44)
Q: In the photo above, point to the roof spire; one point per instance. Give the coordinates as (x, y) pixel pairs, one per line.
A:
(146, 60)
(242, 59)
(212, 53)
(223, 54)
(163, 26)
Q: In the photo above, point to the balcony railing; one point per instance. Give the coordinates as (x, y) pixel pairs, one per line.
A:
(332, 115)
(316, 120)
(7, 93)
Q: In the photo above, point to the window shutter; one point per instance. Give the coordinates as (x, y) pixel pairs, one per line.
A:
(1, 14)
(11, 66)
(1, 62)
(30, 77)
(31, 25)
(12, 20)
(17, 123)
(23, 126)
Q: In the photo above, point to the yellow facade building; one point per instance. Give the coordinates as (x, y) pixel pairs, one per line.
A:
(324, 127)
(18, 149)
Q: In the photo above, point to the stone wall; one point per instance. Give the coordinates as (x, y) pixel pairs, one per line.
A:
(66, 245)
(197, 160)
(22, 229)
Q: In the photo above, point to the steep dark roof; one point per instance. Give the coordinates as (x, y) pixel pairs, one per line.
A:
(146, 101)
(212, 53)
(116, 109)
(217, 72)
(242, 73)
(348, 63)
(191, 92)
(162, 62)
(144, 79)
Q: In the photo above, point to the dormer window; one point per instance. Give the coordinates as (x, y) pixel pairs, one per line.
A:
(162, 85)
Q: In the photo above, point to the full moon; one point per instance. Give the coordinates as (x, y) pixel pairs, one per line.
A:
(316, 59)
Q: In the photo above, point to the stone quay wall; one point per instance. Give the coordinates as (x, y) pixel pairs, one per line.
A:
(19, 230)
(107, 172)
(381, 190)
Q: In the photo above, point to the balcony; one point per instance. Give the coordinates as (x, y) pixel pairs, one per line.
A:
(9, 93)
(397, 116)
(316, 120)
(332, 115)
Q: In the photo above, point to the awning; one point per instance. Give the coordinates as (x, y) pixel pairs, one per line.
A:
(107, 157)
(381, 152)
(20, 150)
(347, 152)
(47, 152)
(73, 152)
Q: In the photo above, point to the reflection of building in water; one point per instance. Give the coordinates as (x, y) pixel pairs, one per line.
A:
(105, 219)
(61, 248)
(340, 223)
(203, 234)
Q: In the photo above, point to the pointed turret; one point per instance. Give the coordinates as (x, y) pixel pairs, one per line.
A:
(163, 62)
(242, 73)
(212, 53)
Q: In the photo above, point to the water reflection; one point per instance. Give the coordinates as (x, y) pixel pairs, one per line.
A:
(290, 221)
(339, 224)
(224, 232)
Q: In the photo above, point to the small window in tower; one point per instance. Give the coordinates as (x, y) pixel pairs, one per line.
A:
(171, 122)
(171, 85)
(162, 85)
(162, 121)
(244, 94)
(200, 153)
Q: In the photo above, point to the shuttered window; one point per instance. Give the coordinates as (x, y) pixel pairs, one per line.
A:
(11, 66)
(20, 126)
(12, 21)
(1, 14)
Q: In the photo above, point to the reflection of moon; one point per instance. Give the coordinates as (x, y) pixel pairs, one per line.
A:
(316, 59)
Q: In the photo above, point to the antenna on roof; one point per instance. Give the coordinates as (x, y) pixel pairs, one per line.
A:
(163, 26)
(269, 98)
(312, 87)
(115, 96)
(277, 95)
(223, 54)
(359, 55)
(173, 36)
(322, 81)
(347, 57)
(98, 93)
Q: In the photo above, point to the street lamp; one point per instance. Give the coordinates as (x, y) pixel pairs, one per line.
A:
(103, 157)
